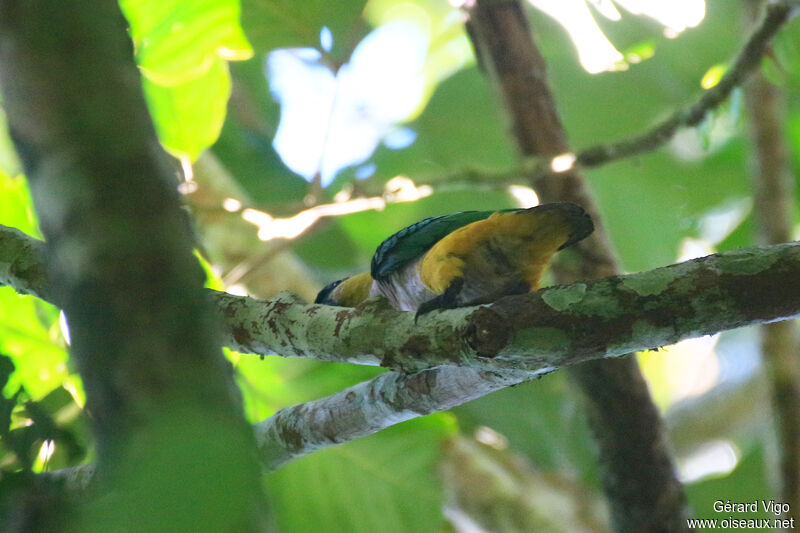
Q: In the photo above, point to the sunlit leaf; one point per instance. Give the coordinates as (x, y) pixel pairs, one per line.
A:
(179, 40)
(712, 76)
(28, 335)
(16, 206)
(36, 349)
(640, 51)
(182, 48)
(189, 116)
(9, 162)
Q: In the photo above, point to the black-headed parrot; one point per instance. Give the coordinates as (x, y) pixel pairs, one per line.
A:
(463, 259)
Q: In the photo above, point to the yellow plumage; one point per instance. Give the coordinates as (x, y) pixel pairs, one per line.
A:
(522, 241)
(354, 290)
(466, 258)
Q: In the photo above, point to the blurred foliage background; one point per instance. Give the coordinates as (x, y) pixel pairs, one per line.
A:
(307, 133)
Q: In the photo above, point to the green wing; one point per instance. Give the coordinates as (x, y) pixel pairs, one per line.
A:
(411, 242)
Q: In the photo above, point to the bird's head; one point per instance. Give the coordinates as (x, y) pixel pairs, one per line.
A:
(347, 292)
(325, 296)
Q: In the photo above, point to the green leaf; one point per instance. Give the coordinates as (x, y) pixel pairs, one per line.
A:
(782, 65)
(182, 48)
(640, 51)
(272, 24)
(462, 127)
(747, 482)
(385, 482)
(35, 348)
(188, 117)
(179, 40)
(713, 75)
(554, 435)
(16, 206)
(9, 162)
(28, 336)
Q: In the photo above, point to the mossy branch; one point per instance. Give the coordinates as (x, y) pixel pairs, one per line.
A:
(534, 333)
(452, 357)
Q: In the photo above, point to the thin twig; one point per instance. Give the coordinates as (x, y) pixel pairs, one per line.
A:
(776, 15)
(536, 166)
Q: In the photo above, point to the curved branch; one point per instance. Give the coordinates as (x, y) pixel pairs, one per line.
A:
(371, 406)
(555, 327)
(515, 339)
(552, 328)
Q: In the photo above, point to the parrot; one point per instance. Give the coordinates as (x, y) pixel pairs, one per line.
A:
(464, 259)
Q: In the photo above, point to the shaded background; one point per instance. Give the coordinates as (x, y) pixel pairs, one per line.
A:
(301, 114)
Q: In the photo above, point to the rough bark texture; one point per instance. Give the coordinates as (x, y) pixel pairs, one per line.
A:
(513, 340)
(534, 333)
(22, 264)
(643, 491)
(119, 254)
(773, 208)
(371, 406)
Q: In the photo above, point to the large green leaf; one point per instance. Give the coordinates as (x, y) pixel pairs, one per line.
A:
(16, 205)
(541, 419)
(462, 127)
(182, 48)
(178, 40)
(32, 339)
(189, 116)
(385, 483)
(29, 331)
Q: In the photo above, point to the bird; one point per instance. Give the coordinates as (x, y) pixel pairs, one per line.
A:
(464, 259)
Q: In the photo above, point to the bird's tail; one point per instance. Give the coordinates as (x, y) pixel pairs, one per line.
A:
(528, 239)
(510, 248)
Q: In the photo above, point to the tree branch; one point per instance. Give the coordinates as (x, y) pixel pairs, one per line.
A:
(513, 340)
(371, 406)
(22, 264)
(533, 333)
(640, 483)
(717, 287)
